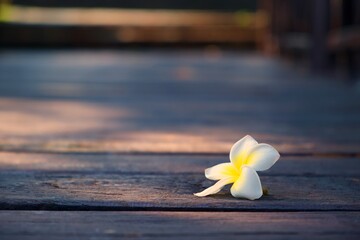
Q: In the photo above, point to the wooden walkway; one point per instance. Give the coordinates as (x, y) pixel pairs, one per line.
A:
(113, 144)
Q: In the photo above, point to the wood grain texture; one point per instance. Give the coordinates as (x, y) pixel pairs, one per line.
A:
(108, 181)
(97, 191)
(169, 101)
(178, 225)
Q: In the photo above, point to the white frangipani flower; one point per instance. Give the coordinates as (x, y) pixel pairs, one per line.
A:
(246, 157)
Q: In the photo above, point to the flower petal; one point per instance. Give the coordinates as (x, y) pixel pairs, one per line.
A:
(220, 171)
(248, 185)
(240, 150)
(262, 157)
(216, 187)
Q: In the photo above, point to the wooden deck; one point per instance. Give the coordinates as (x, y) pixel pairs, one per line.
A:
(112, 144)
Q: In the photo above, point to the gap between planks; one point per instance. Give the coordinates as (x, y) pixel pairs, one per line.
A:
(165, 153)
(57, 208)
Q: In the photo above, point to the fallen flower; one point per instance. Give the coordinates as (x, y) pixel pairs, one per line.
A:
(246, 157)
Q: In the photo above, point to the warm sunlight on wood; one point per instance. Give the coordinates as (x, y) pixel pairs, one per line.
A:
(213, 120)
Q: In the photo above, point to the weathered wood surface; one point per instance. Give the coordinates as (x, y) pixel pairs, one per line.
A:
(70, 123)
(169, 191)
(178, 225)
(175, 101)
(117, 182)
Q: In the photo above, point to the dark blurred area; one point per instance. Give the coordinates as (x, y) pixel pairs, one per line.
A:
(322, 34)
(229, 5)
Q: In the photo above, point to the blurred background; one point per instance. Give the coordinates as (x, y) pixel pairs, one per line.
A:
(321, 34)
(179, 76)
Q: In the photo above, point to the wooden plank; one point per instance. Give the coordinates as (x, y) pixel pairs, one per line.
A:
(75, 126)
(114, 163)
(108, 181)
(178, 225)
(168, 191)
(169, 101)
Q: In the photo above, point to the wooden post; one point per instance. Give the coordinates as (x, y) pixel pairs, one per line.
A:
(348, 19)
(319, 55)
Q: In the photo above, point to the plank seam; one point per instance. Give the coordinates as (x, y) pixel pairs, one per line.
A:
(57, 207)
(146, 153)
